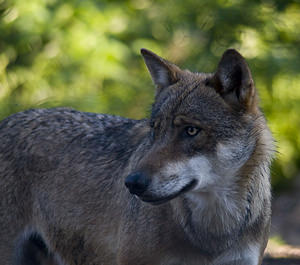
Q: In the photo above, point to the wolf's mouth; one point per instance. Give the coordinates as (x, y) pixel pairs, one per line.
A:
(157, 201)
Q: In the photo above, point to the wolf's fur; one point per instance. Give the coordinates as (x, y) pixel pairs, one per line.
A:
(203, 157)
(31, 250)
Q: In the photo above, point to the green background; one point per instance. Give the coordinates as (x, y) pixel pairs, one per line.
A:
(85, 54)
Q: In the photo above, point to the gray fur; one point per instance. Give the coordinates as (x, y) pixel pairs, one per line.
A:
(62, 176)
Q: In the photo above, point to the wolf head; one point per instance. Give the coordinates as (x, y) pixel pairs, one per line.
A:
(202, 129)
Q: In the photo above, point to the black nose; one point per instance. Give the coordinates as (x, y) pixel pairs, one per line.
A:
(137, 183)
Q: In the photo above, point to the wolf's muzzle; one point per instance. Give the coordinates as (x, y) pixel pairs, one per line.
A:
(137, 183)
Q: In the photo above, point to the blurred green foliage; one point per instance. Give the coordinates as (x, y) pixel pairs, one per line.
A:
(85, 54)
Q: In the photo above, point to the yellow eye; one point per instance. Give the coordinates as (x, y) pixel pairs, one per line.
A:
(192, 131)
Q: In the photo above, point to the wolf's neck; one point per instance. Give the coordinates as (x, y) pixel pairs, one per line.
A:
(218, 211)
(212, 221)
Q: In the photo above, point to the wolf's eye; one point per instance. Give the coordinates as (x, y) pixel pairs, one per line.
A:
(192, 131)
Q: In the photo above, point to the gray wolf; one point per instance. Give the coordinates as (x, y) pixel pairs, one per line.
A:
(189, 185)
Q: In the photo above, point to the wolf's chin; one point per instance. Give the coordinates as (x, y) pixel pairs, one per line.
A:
(161, 200)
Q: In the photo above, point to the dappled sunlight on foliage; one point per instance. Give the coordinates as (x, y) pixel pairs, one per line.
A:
(85, 55)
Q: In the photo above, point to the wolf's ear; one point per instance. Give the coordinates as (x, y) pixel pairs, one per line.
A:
(163, 73)
(233, 81)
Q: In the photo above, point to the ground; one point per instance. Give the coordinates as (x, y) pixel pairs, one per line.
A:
(284, 245)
